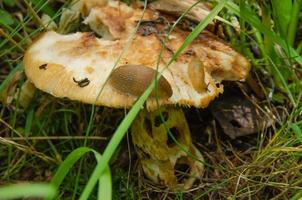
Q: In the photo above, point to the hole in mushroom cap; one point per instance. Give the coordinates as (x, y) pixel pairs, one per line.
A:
(142, 153)
(148, 126)
(158, 121)
(175, 133)
(235, 123)
(182, 169)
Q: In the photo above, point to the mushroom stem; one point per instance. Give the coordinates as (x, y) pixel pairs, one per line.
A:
(167, 158)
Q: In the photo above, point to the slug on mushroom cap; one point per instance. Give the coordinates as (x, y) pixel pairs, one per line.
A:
(82, 67)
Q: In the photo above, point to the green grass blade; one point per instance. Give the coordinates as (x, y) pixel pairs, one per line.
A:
(105, 186)
(29, 122)
(253, 20)
(44, 7)
(9, 3)
(296, 129)
(292, 28)
(71, 159)
(26, 190)
(282, 15)
(127, 121)
(297, 196)
(284, 82)
(251, 17)
(299, 48)
(6, 18)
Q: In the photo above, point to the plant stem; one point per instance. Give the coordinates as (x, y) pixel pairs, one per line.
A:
(292, 28)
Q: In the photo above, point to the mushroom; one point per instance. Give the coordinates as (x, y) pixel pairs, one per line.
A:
(93, 70)
(178, 7)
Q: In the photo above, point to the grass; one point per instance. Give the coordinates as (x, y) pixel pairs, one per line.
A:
(267, 167)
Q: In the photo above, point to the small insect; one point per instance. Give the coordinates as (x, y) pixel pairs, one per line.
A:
(82, 83)
(44, 66)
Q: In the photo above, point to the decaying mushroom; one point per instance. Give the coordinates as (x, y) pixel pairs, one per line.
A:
(161, 157)
(85, 68)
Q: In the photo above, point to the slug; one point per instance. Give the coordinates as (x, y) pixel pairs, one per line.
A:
(196, 74)
(135, 79)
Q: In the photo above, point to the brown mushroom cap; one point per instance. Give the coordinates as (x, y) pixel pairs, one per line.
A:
(77, 66)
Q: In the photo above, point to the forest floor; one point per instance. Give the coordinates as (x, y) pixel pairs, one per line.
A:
(39, 131)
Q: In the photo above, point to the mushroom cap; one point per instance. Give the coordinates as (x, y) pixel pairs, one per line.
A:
(93, 70)
(178, 7)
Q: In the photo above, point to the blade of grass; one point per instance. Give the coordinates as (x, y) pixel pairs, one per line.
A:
(292, 28)
(6, 18)
(125, 124)
(299, 48)
(284, 82)
(29, 122)
(69, 162)
(296, 129)
(267, 23)
(253, 20)
(297, 196)
(9, 3)
(35, 14)
(25, 190)
(105, 186)
(242, 35)
(45, 8)
(282, 15)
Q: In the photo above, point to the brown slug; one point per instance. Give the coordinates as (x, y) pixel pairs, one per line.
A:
(135, 79)
(197, 74)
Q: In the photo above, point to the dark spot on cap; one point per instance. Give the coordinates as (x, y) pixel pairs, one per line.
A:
(44, 66)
